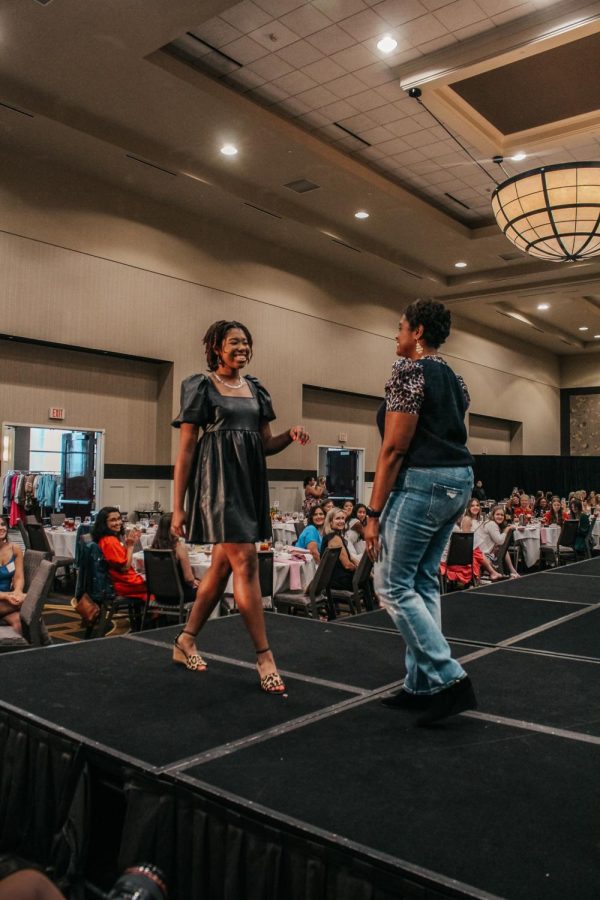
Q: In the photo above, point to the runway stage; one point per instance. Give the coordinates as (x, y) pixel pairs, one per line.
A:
(324, 794)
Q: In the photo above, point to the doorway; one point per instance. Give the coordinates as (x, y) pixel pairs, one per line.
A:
(70, 463)
(343, 468)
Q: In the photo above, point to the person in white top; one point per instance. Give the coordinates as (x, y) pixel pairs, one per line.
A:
(493, 535)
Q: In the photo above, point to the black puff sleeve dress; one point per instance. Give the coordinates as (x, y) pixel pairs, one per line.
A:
(228, 491)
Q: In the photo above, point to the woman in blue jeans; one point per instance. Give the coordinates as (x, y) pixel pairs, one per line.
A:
(423, 480)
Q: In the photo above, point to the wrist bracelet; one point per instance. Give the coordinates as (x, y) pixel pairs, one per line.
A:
(373, 513)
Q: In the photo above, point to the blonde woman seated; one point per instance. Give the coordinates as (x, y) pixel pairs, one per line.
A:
(333, 536)
(471, 522)
(493, 535)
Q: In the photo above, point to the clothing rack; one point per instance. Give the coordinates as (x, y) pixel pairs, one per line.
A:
(23, 490)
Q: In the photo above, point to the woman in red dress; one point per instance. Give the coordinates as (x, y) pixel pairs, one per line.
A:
(117, 549)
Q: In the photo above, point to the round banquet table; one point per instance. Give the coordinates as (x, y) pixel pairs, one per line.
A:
(61, 541)
(596, 533)
(289, 572)
(532, 537)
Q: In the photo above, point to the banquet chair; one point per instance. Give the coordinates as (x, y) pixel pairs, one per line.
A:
(57, 518)
(508, 546)
(298, 528)
(362, 592)
(38, 540)
(265, 577)
(316, 598)
(163, 581)
(565, 547)
(93, 579)
(24, 534)
(460, 553)
(39, 575)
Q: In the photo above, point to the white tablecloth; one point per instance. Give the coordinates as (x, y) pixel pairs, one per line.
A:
(284, 532)
(61, 541)
(305, 569)
(147, 538)
(531, 537)
(596, 533)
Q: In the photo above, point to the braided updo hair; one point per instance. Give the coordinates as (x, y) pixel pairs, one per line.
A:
(215, 336)
(433, 316)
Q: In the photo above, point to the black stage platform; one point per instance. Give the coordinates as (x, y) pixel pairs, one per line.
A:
(111, 755)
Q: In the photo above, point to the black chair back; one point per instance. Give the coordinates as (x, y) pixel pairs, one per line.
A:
(163, 578)
(30, 613)
(265, 572)
(38, 539)
(568, 533)
(299, 528)
(324, 573)
(24, 535)
(460, 551)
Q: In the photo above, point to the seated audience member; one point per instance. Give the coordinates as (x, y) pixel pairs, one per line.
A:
(164, 539)
(355, 531)
(556, 514)
(314, 492)
(541, 507)
(470, 522)
(12, 580)
(478, 491)
(117, 548)
(492, 537)
(310, 539)
(333, 536)
(583, 527)
(524, 509)
(328, 505)
(513, 504)
(347, 507)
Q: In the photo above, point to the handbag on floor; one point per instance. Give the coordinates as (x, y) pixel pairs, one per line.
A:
(87, 609)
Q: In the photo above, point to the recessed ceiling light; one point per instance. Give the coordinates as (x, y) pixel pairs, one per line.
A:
(519, 156)
(387, 44)
(361, 214)
(543, 306)
(583, 328)
(460, 265)
(229, 150)
(597, 336)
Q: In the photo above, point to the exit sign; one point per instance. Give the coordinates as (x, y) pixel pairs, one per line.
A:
(56, 412)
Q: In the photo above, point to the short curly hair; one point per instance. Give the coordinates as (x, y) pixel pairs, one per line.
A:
(215, 336)
(433, 316)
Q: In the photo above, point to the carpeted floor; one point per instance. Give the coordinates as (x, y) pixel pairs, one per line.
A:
(64, 625)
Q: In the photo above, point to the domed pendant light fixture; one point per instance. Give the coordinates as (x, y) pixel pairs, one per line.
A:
(552, 212)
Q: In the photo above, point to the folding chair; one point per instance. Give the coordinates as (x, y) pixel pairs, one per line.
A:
(509, 546)
(460, 553)
(316, 594)
(24, 534)
(38, 540)
(93, 579)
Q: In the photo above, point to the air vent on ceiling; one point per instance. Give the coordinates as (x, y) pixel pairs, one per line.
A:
(16, 110)
(456, 200)
(352, 135)
(344, 244)
(43, 2)
(265, 211)
(150, 165)
(509, 257)
(302, 186)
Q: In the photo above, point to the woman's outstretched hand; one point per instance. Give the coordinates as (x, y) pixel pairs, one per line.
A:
(297, 433)
(372, 539)
(178, 523)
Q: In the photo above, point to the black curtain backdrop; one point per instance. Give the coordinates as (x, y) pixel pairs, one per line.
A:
(559, 474)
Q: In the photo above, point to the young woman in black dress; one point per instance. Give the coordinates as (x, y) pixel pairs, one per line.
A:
(225, 475)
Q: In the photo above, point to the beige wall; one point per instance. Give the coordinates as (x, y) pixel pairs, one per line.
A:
(580, 371)
(96, 392)
(88, 265)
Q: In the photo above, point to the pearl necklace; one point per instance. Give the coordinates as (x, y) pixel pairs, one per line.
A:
(234, 387)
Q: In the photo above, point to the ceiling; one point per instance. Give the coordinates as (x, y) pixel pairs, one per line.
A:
(144, 95)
